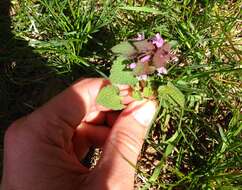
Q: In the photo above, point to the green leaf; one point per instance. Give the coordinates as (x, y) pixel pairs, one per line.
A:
(148, 91)
(169, 149)
(143, 46)
(125, 49)
(173, 44)
(143, 69)
(109, 98)
(236, 122)
(171, 94)
(137, 95)
(142, 9)
(130, 48)
(235, 119)
(120, 74)
(172, 138)
(157, 172)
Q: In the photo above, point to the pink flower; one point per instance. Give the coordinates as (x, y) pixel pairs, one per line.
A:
(145, 58)
(132, 65)
(142, 77)
(158, 40)
(162, 70)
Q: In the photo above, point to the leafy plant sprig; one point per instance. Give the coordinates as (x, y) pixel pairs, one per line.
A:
(137, 62)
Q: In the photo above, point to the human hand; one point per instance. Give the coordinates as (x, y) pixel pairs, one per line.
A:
(43, 150)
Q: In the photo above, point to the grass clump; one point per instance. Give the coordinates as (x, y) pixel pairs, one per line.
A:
(63, 31)
(195, 146)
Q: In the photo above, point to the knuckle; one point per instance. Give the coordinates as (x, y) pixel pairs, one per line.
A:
(10, 134)
(129, 140)
(13, 131)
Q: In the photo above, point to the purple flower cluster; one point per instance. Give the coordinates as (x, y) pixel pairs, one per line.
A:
(158, 40)
(151, 56)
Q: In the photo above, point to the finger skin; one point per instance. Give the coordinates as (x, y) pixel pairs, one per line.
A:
(88, 135)
(74, 103)
(41, 149)
(112, 117)
(31, 161)
(38, 149)
(79, 101)
(121, 150)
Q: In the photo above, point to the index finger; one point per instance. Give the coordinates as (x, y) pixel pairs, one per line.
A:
(74, 103)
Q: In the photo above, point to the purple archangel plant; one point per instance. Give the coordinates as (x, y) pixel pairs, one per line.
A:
(137, 60)
(147, 56)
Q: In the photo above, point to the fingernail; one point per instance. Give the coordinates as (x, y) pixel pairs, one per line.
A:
(145, 112)
(91, 116)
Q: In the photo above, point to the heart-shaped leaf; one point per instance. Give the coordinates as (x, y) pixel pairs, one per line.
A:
(120, 74)
(109, 98)
(172, 95)
(143, 69)
(125, 49)
(143, 46)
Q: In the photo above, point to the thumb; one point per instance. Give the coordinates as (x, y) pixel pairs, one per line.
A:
(124, 144)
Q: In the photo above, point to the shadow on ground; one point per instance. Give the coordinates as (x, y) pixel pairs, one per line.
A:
(25, 80)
